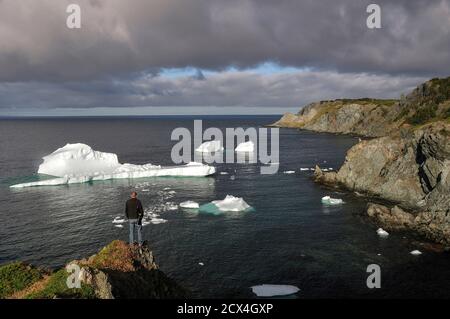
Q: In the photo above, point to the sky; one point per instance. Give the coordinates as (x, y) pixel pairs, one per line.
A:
(150, 57)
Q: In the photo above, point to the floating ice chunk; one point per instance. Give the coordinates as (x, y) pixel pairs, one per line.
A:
(274, 290)
(331, 201)
(416, 252)
(189, 204)
(210, 147)
(157, 221)
(231, 204)
(382, 233)
(78, 163)
(118, 220)
(246, 147)
(289, 172)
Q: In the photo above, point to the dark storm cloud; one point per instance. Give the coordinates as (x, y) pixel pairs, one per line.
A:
(228, 88)
(115, 59)
(123, 36)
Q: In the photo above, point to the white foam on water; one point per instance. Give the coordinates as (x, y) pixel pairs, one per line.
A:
(288, 172)
(274, 290)
(416, 252)
(118, 226)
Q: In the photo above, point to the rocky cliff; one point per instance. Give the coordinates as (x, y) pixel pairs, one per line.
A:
(411, 169)
(117, 271)
(407, 163)
(374, 117)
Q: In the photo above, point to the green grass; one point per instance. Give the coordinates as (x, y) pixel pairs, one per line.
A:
(367, 101)
(17, 276)
(57, 288)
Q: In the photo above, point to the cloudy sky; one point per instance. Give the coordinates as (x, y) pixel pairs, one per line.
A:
(213, 56)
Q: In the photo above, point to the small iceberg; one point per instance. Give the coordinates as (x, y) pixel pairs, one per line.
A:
(79, 163)
(229, 204)
(210, 147)
(327, 200)
(118, 220)
(416, 252)
(189, 205)
(156, 221)
(382, 233)
(246, 147)
(288, 172)
(274, 290)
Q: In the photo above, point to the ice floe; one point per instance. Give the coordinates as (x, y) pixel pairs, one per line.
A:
(416, 252)
(189, 204)
(274, 290)
(79, 163)
(246, 147)
(118, 220)
(382, 233)
(210, 147)
(229, 204)
(331, 201)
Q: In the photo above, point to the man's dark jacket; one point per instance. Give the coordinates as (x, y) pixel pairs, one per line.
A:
(133, 209)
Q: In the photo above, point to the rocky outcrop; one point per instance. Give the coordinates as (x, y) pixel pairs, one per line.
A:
(117, 271)
(407, 163)
(123, 271)
(411, 169)
(367, 117)
(374, 117)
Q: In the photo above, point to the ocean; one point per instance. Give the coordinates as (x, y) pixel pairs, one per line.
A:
(289, 238)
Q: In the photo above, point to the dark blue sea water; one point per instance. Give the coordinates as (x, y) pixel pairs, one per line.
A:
(290, 237)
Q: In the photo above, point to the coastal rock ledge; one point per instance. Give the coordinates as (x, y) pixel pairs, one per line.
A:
(116, 271)
(411, 169)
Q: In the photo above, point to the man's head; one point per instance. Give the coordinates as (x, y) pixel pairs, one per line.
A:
(133, 194)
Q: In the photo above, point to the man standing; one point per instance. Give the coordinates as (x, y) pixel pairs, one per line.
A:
(134, 213)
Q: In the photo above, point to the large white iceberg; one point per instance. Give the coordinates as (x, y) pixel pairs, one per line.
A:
(246, 147)
(79, 163)
(210, 147)
(274, 290)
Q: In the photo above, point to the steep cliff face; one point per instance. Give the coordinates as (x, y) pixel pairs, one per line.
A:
(374, 117)
(412, 169)
(365, 117)
(407, 162)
